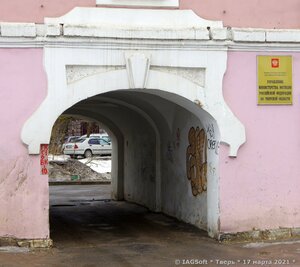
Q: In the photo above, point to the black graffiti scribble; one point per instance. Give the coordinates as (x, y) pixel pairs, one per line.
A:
(196, 160)
(211, 131)
(212, 143)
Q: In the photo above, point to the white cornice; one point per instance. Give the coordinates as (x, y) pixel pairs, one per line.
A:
(111, 43)
(57, 34)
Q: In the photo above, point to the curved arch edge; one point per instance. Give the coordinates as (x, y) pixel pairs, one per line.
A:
(37, 129)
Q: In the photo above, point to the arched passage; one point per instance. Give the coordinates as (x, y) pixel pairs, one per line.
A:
(151, 140)
(157, 97)
(156, 114)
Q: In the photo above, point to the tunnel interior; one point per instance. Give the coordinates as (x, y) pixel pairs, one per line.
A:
(161, 157)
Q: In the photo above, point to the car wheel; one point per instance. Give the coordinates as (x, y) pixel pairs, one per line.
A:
(88, 154)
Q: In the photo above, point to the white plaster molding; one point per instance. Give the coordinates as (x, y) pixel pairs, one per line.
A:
(248, 35)
(60, 97)
(94, 65)
(53, 29)
(142, 33)
(15, 35)
(220, 34)
(75, 73)
(195, 75)
(9, 29)
(137, 65)
(140, 3)
(40, 30)
(291, 36)
(136, 19)
(136, 44)
(134, 23)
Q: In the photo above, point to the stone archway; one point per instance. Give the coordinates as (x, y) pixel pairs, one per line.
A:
(189, 76)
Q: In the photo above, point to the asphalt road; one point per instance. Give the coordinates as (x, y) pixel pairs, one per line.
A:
(88, 229)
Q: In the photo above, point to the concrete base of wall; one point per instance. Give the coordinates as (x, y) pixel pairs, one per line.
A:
(261, 235)
(29, 243)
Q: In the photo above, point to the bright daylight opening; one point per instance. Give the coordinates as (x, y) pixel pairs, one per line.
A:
(79, 152)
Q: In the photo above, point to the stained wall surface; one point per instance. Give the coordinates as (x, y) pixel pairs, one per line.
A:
(23, 191)
(259, 188)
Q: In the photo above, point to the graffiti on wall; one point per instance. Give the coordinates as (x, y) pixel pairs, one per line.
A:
(212, 142)
(196, 160)
(173, 146)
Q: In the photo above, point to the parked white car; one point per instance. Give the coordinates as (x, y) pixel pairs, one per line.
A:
(87, 147)
(69, 139)
(98, 135)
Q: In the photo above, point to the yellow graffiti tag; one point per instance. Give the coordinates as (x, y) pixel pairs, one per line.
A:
(196, 160)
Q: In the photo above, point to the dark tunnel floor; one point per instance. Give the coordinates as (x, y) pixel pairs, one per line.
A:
(89, 229)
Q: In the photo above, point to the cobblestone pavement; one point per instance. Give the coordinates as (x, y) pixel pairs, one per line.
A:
(88, 230)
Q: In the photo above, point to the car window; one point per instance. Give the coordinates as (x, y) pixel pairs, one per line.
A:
(106, 138)
(103, 142)
(94, 141)
(80, 140)
(73, 139)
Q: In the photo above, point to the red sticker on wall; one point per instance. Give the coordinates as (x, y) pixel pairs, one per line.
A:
(44, 159)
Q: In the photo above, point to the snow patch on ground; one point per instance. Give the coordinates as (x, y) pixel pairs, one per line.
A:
(98, 165)
(58, 157)
(63, 168)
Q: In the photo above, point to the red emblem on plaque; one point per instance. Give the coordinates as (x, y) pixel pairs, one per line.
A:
(275, 62)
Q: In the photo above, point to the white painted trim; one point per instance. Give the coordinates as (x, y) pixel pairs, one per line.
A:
(220, 34)
(9, 29)
(188, 45)
(94, 31)
(283, 36)
(190, 33)
(140, 3)
(210, 97)
(248, 35)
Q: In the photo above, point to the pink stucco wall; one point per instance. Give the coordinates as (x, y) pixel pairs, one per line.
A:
(24, 198)
(234, 13)
(36, 10)
(254, 13)
(260, 188)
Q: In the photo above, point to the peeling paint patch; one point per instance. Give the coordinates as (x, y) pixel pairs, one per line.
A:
(13, 173)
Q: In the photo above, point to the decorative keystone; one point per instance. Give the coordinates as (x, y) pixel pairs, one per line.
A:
(137, 66)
